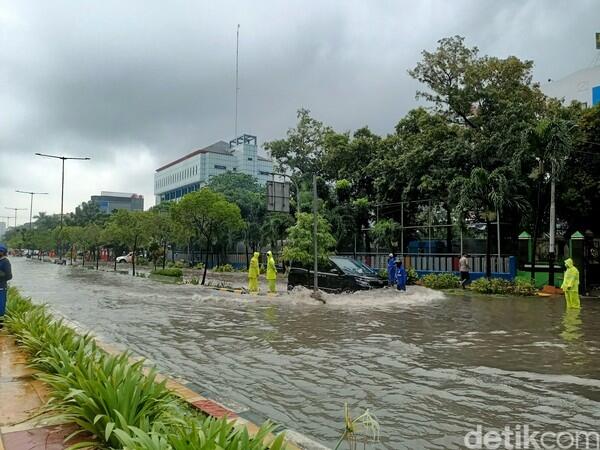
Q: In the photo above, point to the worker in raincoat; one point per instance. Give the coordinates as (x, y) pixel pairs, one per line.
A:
(271, 272)
(400, 275)
(391, 269)
(253, 273)
(570, 285)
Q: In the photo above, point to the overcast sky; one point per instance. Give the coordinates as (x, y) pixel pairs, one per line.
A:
(135, 84)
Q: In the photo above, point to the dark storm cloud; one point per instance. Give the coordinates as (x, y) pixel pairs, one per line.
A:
(155, 79)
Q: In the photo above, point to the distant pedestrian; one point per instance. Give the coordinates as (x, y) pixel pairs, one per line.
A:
(5, 275)
(253, 273)
(400, 275)
(391, 269)
(271, 273)
(464, 268)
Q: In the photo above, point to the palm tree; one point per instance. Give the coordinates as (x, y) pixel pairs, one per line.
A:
(551, 142)
(485, 193)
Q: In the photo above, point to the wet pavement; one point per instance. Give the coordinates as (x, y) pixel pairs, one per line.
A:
(430, 367)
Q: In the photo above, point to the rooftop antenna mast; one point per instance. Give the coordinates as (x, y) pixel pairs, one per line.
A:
(237, 88)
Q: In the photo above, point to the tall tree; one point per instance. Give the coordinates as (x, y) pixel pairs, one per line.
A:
(209, 213)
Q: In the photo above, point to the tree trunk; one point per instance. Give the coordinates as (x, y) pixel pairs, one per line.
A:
(205, 265)
(82, 259)
(115, 257)
(173, 253)
(536, 229)
(133, 256)
(488, 249)
(247, 256)
(97, 257)
(72, 254)
(164, 259)
(448, 229)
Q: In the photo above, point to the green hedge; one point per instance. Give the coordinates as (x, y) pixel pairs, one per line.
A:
(224, 268)
(501, 286)
(112, 398)
(170, 272)
(440, 281)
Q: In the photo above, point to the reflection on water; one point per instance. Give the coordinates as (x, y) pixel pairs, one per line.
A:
(430, 367)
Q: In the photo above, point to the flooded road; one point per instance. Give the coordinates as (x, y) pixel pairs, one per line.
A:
(430, 367)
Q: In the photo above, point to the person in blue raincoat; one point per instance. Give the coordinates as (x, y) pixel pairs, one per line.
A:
(391, 270)
(400, 275)
(5, 276)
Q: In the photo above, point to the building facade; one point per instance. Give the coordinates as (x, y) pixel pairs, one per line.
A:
(2, 229)
(583, 86)
(192, 171)
(111, 201)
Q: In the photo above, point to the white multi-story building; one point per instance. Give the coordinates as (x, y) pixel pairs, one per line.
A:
(583, 86)
(190, 172)
(2, 229)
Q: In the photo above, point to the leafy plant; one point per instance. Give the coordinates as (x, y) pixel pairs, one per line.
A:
(224, 268)
(411, 276)
(503, 287)
(169, 272)
(440, 281)
(195, 280)
(119, 402)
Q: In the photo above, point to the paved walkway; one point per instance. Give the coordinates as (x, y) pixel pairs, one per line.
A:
(22, 427)
(21, 397)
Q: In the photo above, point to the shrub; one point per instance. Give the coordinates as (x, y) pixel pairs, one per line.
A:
(119, 402)
(503, 287)
(524, 288)
(194, 280)
(224, 268)
(411, 276)
(440, 281)
(177, 264)
(383, 273)
(170, 272)
(199, 266)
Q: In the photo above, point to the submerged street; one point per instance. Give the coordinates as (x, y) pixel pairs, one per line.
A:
(430, 367)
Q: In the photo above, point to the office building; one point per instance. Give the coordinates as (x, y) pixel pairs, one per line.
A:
(111, 201)
(190, 172)
(583, 86)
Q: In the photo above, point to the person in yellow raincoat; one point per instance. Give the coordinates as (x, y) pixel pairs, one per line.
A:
(253, 273)
(271, 272)
(570, 285)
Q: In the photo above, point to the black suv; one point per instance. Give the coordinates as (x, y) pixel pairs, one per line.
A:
(340, 274)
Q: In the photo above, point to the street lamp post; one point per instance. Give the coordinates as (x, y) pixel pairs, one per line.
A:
(15, 210)
(62, 192)
(31, 202)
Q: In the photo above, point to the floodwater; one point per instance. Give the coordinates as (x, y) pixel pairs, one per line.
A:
(430, 367)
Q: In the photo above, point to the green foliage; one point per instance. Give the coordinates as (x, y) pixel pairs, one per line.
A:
(194, 280)
(440, 281)
(505, 287)
(411, 276)
(198, 266)
(224, 268)
(169, 272)
(180, 265)
(300, 243)
(386, 232)
(118, 401)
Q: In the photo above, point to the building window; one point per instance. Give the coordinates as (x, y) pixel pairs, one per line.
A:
(249, 159)
(220, 167)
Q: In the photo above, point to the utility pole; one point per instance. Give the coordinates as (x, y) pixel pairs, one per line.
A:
(15, 210)
(551, 254)
(31, 202)
(62, 193)
(237, 88)
(316, 247)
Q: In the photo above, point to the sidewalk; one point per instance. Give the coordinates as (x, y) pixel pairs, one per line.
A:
(21, 397)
